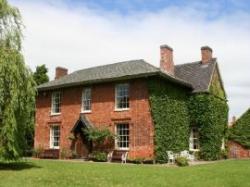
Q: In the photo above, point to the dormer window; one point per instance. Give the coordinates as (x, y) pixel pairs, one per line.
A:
(122, 96)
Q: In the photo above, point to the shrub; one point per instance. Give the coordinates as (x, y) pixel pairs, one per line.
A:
(181, 161)
(139, 160)
(37, 152)
(65, 153)
(224, 154)
(99, 156)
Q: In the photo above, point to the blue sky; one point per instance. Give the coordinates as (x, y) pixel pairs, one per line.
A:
(214, 8)
(83, 33)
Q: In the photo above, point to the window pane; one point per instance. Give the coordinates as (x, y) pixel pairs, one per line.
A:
(194, 139)
(122, 96)
(122, 131)
(86, 99)
(55, 136)
(56, 102)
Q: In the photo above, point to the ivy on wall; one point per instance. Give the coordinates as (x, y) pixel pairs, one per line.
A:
(209, 113)
(171, 118)
(175, 110)
(216, 87)
(241, 130)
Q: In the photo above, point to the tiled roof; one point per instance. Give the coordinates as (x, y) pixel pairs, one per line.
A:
(118, 71)
(196, 73)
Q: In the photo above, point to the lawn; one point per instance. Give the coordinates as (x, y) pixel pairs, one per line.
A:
(61, 173)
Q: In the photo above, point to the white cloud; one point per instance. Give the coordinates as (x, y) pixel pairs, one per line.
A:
(78, 38)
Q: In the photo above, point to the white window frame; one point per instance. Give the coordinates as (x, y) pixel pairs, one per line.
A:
(117, 147)
(116, 96)
(53, 100)
(84, 99)
(52, 136)
(192, 138)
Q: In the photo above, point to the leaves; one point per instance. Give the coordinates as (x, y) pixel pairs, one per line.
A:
(40, 75)
(209, 113)
(241, 130)
(171, 119)
(17, 87)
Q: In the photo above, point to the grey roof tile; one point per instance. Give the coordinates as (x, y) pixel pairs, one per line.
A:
(193, 75)
(117, 71)
(196, 73)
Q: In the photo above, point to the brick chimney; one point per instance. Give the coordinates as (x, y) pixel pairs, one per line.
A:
(206, 54)
(167, 63)
(60, 72)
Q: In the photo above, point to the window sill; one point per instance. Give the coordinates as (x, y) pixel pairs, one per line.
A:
(55, 148)
(194, 150)
(55, 114)
(86, 112)
(121, 110)
(122, 149)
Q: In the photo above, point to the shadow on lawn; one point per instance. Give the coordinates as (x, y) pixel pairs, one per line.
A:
(16, 166)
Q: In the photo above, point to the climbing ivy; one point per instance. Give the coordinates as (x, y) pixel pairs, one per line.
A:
(209, 113)
(171, 119)
(241, 130)
(216, 87)
(175, 110)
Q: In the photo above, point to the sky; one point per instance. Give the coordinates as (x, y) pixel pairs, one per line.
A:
(84, 33)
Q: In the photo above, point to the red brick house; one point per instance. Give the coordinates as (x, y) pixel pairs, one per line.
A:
(239, 137)
(116, 97)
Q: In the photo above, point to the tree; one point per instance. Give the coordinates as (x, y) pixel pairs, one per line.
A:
(17, 86)
(40, 75)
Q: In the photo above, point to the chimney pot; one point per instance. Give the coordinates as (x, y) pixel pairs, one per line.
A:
(167, 63)
(60, 72)
(206, 54)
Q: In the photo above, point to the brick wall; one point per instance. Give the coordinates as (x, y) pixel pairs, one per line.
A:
(236, 150)
(103, 114)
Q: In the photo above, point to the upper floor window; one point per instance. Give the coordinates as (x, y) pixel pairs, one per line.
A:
(194, 143)
(56, 103)
(86, 99)
(54, 136)
(122, 96)
(122, 132)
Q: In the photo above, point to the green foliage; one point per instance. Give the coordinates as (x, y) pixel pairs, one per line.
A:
(17, 87)
(171, 117)
(216, 87)
(181, 161)
(99, 156)
(209, 113)
(37, 152)
(241, 130)
(41, 74)
(65, 153)
(98, 135)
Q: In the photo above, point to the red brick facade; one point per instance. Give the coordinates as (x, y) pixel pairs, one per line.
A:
(236, 150)
(102, 114)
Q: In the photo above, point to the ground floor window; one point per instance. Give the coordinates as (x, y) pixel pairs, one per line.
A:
(54, 136)
(122, 133)
(194, 143)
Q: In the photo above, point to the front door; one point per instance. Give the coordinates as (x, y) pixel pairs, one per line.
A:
(81, 146)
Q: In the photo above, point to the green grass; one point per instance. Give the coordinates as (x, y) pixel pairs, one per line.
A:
(58, 173)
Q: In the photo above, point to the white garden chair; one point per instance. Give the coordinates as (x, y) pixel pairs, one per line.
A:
(109, 156)
(186, 154)
(124, 157)
(170, 156)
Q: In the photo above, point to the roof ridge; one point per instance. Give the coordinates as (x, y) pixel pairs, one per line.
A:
(99, 66)
(214, 60)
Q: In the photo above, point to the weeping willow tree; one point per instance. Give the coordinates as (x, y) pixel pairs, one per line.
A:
(17, 87)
